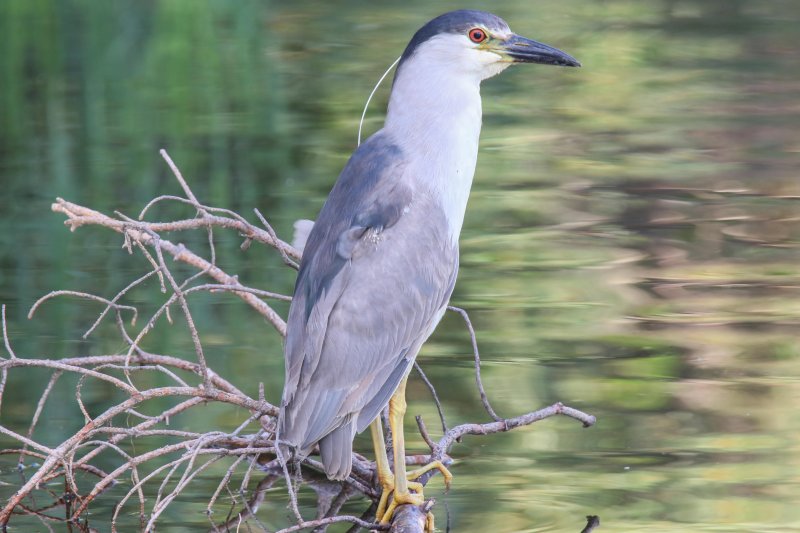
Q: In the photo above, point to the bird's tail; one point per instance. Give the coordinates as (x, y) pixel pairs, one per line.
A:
(335, 448)
(336, 451)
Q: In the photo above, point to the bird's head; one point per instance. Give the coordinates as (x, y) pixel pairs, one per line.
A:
(478, 44)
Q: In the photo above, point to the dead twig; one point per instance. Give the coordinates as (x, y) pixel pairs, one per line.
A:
(110, 304)
(311, 524)
(141, 233)
(444, 444)
(6, 341)
(477, 356)
(39, 407)
(434, 394)
(284, 254)
(160, 473)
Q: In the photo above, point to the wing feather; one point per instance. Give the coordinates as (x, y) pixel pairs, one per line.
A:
(375, 277)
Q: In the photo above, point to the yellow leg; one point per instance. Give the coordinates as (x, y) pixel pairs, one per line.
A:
(402, 495)
(397, 411)
(385, 476)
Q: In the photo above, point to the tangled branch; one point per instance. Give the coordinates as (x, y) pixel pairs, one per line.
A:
(160, 474)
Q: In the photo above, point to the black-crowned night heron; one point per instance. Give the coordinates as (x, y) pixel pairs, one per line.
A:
(381, 260)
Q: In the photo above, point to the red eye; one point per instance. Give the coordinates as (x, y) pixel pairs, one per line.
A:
(477, 35)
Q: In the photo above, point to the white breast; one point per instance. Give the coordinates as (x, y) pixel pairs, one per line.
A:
(435, 116)
(445, 170)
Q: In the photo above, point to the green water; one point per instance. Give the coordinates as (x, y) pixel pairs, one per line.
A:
(630, 248)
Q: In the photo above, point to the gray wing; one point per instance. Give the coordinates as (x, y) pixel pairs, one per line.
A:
(376, 274)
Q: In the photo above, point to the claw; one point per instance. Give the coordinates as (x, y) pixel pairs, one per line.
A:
(386, 510)
(429, 527)
(401, 499)
(387, 486)
(387, 491)
(434, 465)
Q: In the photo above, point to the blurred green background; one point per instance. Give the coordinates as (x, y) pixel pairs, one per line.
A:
(630, 248)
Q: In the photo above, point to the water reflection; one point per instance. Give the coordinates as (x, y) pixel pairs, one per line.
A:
(631, 246)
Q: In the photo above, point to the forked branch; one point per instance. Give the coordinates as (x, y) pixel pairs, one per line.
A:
(160, 473)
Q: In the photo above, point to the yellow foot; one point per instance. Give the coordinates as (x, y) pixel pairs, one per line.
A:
(414, 499)
(401, 499)
(429, 527)
(435, 465)
(415, 496)
(387, 486)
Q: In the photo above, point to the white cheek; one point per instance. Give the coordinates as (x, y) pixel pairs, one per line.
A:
(487, 58)
(458, 53)
(491, 64)
(494, 69)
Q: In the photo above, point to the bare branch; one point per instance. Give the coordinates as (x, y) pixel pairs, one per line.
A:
(423, 431)
(59, 365)
(223, 483)
(140, 232)
(81, 216)
(3, 381)
(408, 519)
(25, 441)
(508, 424)
(435, 396)
(136, 397)
(284, 253)
(198, 347)
(119, 295)
(215, 287)
(9, 349)
(178, 176)
(39, 407)
(158, 474)
(476, 354)
(109, 303)
(311, 524)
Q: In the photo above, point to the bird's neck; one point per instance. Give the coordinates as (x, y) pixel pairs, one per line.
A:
(435, 116)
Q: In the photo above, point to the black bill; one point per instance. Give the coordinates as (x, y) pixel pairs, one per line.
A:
(522, 50)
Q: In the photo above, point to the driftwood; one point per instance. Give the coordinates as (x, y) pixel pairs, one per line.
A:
(159, 475)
